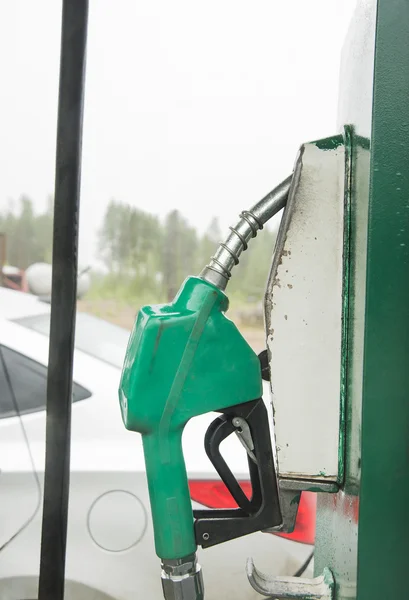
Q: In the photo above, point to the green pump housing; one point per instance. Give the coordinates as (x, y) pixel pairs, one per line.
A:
(184, 359)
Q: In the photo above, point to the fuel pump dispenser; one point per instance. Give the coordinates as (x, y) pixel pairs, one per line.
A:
(337, 331)
(187, 358)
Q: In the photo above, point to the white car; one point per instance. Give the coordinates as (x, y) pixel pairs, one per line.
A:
(110, 553)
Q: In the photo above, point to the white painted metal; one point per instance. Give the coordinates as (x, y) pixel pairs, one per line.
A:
(291, 588)
(303, 317)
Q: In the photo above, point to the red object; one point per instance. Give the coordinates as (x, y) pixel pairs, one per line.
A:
(16, 281)
(214, 494)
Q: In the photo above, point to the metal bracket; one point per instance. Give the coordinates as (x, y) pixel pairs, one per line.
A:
(282, 588)
(290, 494)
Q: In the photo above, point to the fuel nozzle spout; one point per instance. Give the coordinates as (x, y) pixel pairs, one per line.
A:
(182, 579)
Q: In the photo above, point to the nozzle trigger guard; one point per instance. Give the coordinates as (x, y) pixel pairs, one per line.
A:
(262, 511)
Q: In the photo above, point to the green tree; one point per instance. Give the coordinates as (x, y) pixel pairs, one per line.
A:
(130, 245)
(145, 244)
(209, 241)
(109, 237)
(148, 260)
(29, 235)
(180, 248)
(43, 233)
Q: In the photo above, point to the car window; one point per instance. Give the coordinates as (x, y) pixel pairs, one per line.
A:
(96, 337)
(28, 380)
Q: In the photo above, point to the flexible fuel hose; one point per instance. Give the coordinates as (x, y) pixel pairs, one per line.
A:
(218, 271)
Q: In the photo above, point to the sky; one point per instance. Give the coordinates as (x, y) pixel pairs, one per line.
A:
(199, 106)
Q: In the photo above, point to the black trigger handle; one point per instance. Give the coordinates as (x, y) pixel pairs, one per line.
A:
(216, 526)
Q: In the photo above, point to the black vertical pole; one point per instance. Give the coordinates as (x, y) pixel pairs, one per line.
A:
(63, 300)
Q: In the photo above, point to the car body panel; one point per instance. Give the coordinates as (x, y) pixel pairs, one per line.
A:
(107, 471)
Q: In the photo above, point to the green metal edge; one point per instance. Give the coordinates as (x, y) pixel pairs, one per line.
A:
(384, 496)
(348, 136)
(329, 143)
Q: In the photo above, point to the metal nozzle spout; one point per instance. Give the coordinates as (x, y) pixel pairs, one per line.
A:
(182, 579)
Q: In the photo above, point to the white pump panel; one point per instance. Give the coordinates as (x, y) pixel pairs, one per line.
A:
(304, 303)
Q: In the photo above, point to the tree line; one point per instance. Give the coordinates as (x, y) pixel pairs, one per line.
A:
(156, 256)
(29, 234)
(144, 257)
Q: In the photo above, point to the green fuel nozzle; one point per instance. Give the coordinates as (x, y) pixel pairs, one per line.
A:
(185, 359)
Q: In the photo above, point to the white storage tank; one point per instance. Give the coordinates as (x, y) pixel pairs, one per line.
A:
(39, 280)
